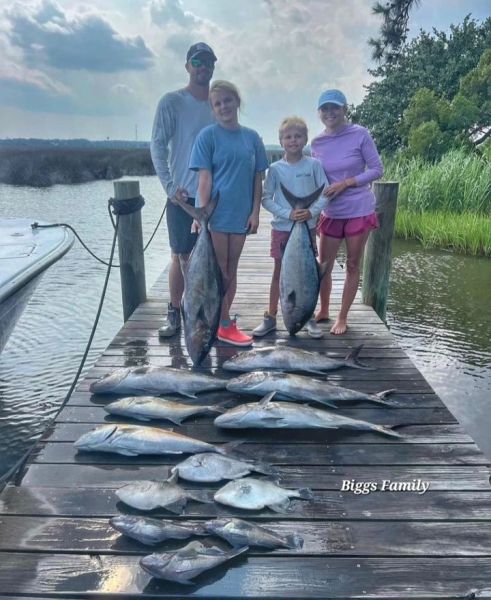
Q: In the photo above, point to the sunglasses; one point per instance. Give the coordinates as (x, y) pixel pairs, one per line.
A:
(202, 62)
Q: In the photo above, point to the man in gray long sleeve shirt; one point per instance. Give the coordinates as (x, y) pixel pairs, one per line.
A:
(180, 116)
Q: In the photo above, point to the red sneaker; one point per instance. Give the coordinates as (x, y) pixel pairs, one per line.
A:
(233, 335)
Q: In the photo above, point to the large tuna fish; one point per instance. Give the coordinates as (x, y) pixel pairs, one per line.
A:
(203, 289)
(156, 380)
(289, 415)
(300, 275)
(286, 358)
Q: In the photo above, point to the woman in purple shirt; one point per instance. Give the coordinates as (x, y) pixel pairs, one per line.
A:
(351, 162)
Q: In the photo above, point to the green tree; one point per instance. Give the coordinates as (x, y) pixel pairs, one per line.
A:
(393, 31)
(435, 61)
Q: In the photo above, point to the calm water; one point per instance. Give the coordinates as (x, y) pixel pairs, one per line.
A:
(439, 310)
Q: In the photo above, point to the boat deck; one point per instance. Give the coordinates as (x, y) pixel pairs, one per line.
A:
(56, 542)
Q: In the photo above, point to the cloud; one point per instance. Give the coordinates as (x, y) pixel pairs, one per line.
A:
(50, 37)
(164, 12)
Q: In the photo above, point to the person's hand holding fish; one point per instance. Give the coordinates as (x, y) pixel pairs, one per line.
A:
(300, 214)
(181, 195)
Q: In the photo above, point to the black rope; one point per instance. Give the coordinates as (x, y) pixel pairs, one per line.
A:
(16, 469)
(111, 201)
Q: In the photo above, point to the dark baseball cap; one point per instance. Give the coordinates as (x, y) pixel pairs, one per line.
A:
(199, 48)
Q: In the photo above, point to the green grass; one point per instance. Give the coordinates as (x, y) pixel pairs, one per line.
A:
(468, 233)
(446, 204)
(460, 182)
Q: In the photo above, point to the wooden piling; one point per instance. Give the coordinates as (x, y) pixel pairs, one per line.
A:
(378, 251)
(130, 244)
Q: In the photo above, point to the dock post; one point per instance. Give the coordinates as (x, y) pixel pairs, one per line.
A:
(378, 251)
(130, 245)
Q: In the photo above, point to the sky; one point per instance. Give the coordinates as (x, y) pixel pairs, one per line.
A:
(96, 69)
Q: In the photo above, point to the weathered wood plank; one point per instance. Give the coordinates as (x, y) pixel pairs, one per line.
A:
(349, 538)
(81, 501)
(319, 477)
(253, 577)
(289, 454)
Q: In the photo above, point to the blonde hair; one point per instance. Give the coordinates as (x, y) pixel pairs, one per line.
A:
(293, 121)
(220, 85)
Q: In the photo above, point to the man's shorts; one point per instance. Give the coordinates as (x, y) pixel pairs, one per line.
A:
(343, 228)
(181, 240)
(279, 240)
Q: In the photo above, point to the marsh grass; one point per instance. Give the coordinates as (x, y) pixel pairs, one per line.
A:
(468, 233)
(446, 204)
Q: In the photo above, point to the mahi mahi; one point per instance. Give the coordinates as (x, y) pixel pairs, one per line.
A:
(146, 408)
(289, 415)
(255, 494)
(203, 289)
(132, 440)
(147, 495)
(156, 380)
(300, 274)
(211, 467)
(188, 562)
(153, 531)
(299, 387)
(286, 358)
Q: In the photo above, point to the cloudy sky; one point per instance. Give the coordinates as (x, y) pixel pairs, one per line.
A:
(96, 69)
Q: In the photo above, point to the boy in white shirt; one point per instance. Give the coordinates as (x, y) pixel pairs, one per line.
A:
(301, 175)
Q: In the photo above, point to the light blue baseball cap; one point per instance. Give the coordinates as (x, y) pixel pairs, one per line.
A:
(333, 97)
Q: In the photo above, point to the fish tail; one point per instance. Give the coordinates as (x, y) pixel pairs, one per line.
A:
(201, 496)
(305, 494)
(294, 541)
(265, 469)
(352, 360)
(229, 447)
(201, 214)
(301, 201)
(388, 430)
(380, 397)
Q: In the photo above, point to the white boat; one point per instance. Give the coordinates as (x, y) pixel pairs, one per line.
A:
(25, 254)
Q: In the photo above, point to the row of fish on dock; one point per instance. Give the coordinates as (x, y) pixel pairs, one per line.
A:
(211, 463)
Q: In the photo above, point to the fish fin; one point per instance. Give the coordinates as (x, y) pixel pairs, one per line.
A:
(305, 494)
(280, 507)
(352, 360)
(174, 475)
(294, 541)
(266, 399)
(315, 372)
(379, 398)
(176, 507)
(301, 201)
(127, 452)
(389, 430)
(201, 496)
(291, 298)
(229, 447)
(188, 395)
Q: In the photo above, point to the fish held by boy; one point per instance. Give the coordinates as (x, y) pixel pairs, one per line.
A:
(287, 358)
(288, 415)
(147, 495)
(255, 494)
(299, 387)
(156, 380)
(146, 408)
(132, 440)
(203, 289)
(238, 532)
(210, 468)
(154, 531)
(300, 274)
(188, 562)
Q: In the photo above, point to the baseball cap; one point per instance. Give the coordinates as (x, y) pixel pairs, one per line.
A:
(332, 96)
(199, 48)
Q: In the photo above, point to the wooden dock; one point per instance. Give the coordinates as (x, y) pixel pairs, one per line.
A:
(56, 542)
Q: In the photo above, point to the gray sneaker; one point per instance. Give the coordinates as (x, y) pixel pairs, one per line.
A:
(172, 323)
(313, 329)
(268, 324)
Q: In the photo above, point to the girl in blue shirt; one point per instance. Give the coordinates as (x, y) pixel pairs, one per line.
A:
(231, 160)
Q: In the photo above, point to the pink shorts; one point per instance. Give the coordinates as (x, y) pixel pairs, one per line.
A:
(279, 240)
(342, 228)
